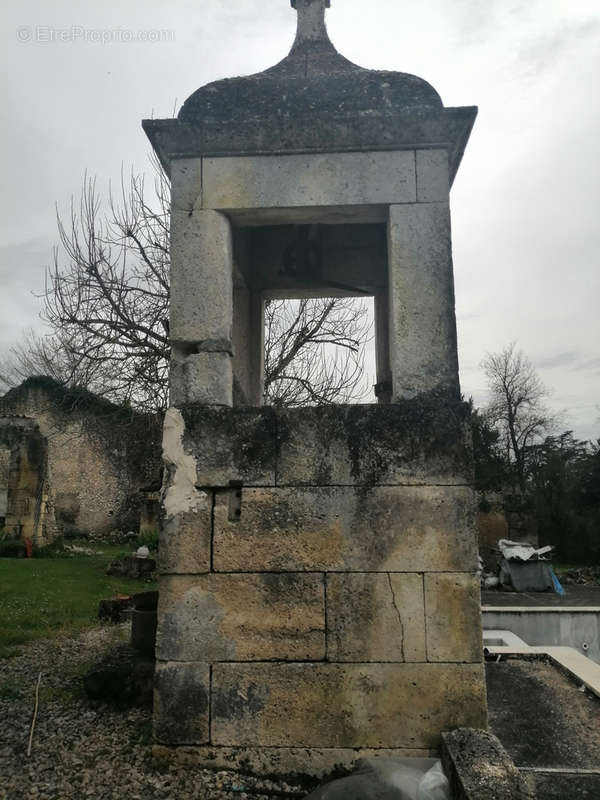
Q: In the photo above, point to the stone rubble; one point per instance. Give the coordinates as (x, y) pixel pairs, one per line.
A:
(87, 750)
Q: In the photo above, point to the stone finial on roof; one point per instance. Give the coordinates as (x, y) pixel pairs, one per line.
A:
(311, 19)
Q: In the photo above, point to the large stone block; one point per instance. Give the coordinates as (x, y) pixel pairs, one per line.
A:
(201, 278)
(479, 768)
(346, 529)
(204, 378)
(181, 703)
(325, 179)
(238, 444)
(375, 617)
(422, 318)
(432, 176)
(426, 440)
(422, 441)
(186, 184)
(350, 705)
(453, 617)
(184, 544)
(241, 618)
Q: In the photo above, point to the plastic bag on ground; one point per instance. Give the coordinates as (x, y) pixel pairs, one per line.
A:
(388, 779)
(434, 784)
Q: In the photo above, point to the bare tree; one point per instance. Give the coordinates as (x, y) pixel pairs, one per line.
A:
(106, 304)
(48, 355)
(314, 352)
(516, 404)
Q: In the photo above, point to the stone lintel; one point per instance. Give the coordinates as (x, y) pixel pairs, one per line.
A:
(432, 176)
(329, 179)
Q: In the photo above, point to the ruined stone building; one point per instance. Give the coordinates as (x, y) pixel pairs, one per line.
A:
(71, 462)
(318, 595)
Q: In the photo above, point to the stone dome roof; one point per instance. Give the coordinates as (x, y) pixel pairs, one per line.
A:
(313, 78)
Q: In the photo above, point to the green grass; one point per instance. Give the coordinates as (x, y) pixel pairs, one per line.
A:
(41, 597)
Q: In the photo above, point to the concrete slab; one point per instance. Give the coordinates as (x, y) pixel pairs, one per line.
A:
(574, 596)
(560, 784)
(581, 668)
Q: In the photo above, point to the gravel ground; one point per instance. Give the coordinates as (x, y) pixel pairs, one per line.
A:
(84, 750)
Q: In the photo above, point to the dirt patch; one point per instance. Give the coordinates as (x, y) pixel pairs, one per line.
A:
(541, 716)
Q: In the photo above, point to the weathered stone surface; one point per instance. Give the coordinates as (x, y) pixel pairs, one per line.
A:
(351, 705)
(479, 768)
(201, 277)
(386, 529)
(375, 617)
(421, 441)
(425, 440)
(242, 618)
(248, 347)
(184, 543)
(422, 319)
(318, 762)
(432, 176)
(332, 179)
(91, 459)
(181, 703)
(204, 378)
(173, 139)
(238, 444)
(453, 617)
(186, 184)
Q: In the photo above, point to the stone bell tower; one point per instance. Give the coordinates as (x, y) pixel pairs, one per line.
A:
(318, 596)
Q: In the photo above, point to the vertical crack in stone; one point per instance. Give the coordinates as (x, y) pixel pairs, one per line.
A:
(395, 604)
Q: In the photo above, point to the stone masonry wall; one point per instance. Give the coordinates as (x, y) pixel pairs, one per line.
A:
(318, 597)
(99, 455)
(23, 481)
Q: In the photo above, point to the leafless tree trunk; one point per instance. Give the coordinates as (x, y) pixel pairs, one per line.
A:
(106, 304)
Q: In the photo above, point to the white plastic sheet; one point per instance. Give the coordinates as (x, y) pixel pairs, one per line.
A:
(519, 551)
(389, 779)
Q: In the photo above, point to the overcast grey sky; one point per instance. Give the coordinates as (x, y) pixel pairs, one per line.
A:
(525, 204)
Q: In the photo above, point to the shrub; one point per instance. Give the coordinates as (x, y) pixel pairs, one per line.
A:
(55, 549)
(150, 539)
(13, 548)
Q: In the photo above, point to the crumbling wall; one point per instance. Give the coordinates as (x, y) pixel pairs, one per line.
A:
(99, 455)
(318, 584)
(23, 481)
